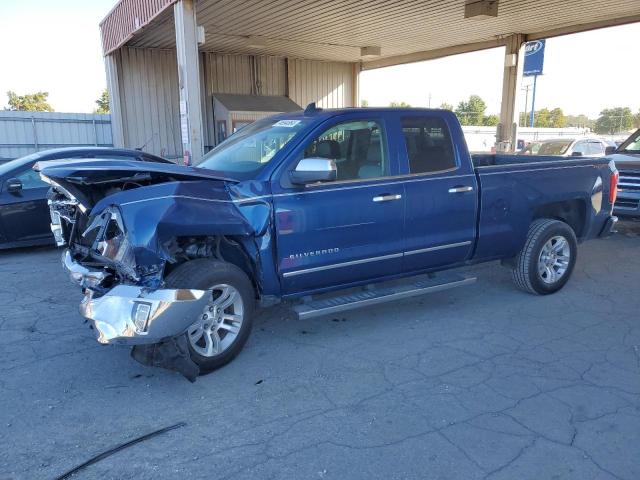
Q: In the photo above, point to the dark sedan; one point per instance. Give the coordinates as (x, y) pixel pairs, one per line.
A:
(24, 214)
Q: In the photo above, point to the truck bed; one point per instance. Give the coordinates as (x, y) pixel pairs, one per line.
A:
(516, 188)
(498, 159)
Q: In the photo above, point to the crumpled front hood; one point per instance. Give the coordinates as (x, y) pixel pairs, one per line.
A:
(193, 208)
(91, 180)
(97, 171)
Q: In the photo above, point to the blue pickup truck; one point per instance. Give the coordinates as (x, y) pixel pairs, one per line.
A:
(326, 209)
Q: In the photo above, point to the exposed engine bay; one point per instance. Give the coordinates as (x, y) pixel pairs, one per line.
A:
(135, 225)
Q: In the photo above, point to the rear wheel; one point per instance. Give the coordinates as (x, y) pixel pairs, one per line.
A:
(220, 331)
(545, 263)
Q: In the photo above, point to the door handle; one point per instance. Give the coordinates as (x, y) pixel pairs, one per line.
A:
(387, 197)
(461, 189)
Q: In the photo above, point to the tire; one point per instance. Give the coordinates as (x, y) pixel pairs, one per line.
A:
(203, 274)
(539, 268)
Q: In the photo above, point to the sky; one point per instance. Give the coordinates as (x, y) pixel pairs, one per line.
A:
(583, 73)
(54, 46)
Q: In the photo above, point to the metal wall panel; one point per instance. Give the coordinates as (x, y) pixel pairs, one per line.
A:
(148, 83)
(329, 84)
(239, 74)
(235, 74)
(22, 133)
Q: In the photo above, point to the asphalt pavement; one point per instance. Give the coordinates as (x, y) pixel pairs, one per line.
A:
(478, 382)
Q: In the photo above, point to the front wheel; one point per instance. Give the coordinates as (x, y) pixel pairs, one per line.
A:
(220, 331)
(547, 259)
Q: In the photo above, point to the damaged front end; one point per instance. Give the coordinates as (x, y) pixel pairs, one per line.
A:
(125, 231)
(121, 307)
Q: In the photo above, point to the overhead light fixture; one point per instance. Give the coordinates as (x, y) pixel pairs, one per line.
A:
(480, 9)
(255, 41)
(370, 52)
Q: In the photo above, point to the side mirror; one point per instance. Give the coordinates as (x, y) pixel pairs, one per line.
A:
(314, 170)
(576, 154)
(610, 149)
(14, 185)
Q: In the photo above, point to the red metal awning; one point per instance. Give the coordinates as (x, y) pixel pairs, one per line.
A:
(127, 18)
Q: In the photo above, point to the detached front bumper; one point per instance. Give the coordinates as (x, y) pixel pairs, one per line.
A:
(131, 315)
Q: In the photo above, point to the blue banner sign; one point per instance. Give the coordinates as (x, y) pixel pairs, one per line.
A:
(533, 58)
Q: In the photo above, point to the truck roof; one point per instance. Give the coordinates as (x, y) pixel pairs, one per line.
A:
(329, 112)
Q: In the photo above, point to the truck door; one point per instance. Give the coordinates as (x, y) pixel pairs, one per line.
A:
(441, 192)
(349, 230)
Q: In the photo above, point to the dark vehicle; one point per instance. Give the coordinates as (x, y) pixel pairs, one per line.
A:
(627, 160)
(175, 259)
(24, 213)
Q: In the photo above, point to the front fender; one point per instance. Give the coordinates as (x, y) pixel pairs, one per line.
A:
(156, 214)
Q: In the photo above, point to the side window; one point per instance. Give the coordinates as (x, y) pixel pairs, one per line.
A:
(428, 143)
(358, 147)
(30, 179)
(595, 148)
(581, 147)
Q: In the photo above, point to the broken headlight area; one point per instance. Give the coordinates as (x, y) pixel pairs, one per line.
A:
(105, 239)
(63, 212)
(91, 278)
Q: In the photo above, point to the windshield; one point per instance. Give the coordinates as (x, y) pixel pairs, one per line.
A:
(252, 147)
(631, 144)
(554, 148)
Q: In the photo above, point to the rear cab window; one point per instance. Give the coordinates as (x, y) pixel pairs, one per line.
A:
(428, 144)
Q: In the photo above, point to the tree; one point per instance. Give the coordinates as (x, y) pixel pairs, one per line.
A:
(30, 102)
(103, 102)
(364, 103)
(399, 105)
(545, 118)
(491, 120)
(579, 121)
(557, 118)
(614, 120)
(446, 106)
(471, 112)
(636, 120)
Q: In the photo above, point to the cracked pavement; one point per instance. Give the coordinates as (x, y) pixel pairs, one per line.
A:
(481, 382)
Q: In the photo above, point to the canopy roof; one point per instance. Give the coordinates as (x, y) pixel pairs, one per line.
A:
(404, 30)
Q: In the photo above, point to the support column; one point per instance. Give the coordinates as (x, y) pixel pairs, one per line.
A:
(189, 80)
(507, 130)
(355, 98)
(115, 105)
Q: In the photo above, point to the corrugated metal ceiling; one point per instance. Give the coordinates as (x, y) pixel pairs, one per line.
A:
(335, 30)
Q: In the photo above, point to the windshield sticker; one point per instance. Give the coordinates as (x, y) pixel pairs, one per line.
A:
(286, 123)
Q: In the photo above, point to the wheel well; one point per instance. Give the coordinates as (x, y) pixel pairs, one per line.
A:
(223, 248)
(571, 212)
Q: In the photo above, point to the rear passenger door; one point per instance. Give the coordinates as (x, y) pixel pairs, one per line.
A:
(441, 192)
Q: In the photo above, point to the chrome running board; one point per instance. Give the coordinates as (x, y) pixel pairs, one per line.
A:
(380, 294)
